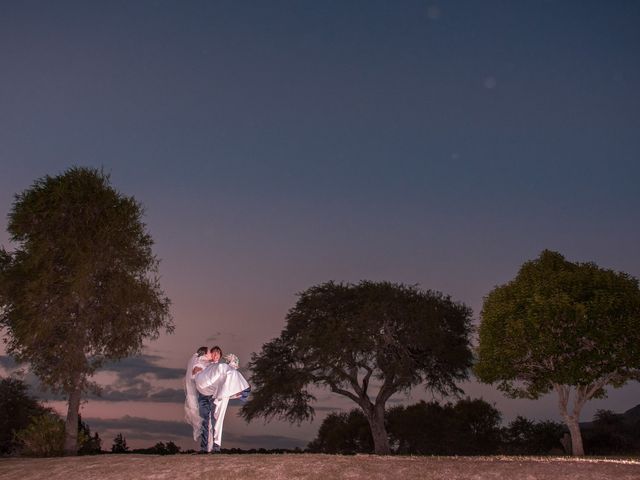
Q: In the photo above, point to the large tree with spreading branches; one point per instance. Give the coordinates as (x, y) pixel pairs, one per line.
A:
(81, 286)
(572, 328)
(366, 342)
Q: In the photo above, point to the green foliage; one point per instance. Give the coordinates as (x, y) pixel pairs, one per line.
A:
(612, 434)
(525, 437)
(470, 427)
(343, 433)
(341, 336)
(43, 437)
(160, 448)
(82, 285)
(420, 428)
(345, 337)
(119, 444)
(561, 323)
(17, 408)
(22, 430)
(171, 448)
(476, 424)
(88, 444)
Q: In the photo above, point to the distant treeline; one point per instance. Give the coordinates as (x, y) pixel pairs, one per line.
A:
(468, 427)
(473, 427)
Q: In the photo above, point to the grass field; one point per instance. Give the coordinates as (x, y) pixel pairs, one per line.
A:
(307, 466)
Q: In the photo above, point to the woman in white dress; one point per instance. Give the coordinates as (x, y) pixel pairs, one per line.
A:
(198, 362)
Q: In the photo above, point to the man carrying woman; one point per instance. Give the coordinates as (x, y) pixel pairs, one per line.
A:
(209, 385)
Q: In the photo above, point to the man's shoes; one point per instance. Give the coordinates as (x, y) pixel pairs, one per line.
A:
(216, 448)
(202, 452)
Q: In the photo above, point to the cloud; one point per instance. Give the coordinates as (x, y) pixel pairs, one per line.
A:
(172, 395)
(22, 371)
(127, 369)
(134, 381)
(142, 391)
(139, 428)
(330, 408)
(397, 400)
(132, 367)
(110, 394)
(129, 423)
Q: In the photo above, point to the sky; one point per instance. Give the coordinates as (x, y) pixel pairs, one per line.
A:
(277, 145)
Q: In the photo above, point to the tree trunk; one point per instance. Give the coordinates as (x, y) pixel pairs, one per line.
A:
(572, 421)
(378, 431)
(71, 424)
(577, 448)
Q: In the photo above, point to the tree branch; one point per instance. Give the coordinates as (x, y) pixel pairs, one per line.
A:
(367, 377)
(353, 380)
(388, 388)
(563, 398)
(347, 394)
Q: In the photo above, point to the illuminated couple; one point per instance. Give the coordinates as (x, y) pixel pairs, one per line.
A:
(210, 383)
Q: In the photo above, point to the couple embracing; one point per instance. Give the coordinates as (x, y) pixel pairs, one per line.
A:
(210, 383)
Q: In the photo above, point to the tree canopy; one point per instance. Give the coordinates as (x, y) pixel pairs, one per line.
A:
(81, 287)
(366, 342)
(564, 326)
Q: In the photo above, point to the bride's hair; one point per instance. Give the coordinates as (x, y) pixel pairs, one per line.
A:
(202, 351)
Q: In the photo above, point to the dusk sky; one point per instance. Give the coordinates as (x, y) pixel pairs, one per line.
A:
(279, 144)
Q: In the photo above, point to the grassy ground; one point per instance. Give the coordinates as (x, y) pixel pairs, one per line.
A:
(307, 466)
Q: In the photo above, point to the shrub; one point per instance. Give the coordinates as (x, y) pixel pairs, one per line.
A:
(44, 437)
(17, 408)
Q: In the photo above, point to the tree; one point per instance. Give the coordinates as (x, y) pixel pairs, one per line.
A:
(23, 430)
(119, 444)
(89, 445)
(171, 448)
(612, 434)
(81, 287)
(525, 437)
(365, 342)
(18, 408)
(158, 449)
(475, 427)
(470, 427)
(161, 448)
(421, 429)
(345, 433)
(43, 437)
(573, 328)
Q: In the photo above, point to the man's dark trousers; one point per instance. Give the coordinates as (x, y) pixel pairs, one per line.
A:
(204, 409)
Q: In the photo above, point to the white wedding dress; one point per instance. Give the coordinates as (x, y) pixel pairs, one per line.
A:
(218, 380)
(191, 412)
